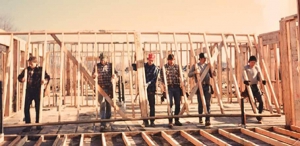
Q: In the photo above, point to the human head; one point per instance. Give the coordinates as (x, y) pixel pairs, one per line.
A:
(32, 61)
(171, 59)
(103, 57)
(150, 58)
(252, 61)
(202, 58)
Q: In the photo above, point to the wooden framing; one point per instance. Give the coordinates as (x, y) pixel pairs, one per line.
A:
(84, 48)
(262, 137)
(141, 137)
(235, 138)
(275, 136)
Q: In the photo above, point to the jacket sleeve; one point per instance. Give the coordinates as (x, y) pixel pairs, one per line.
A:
(210, 73)
(21, 75)
(162, 74)
(93, 72)
(134, 66)
(47, 77)
(192, 71)
(155, 73)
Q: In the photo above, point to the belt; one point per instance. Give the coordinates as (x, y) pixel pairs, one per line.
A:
(105, 86)
(173, 85)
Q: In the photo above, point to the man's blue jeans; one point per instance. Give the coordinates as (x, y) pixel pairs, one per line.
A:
(174, 92)
(105, 108)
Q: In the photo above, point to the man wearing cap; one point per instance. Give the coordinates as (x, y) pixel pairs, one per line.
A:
(253, 75)
(205, 85)
(173, 82)
(33, 89)
(151, 72)
(105, 76)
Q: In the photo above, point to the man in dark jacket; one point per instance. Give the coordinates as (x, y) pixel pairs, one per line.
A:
(151, 72)
(33, 89)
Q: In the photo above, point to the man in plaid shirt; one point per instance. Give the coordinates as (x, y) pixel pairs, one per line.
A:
(151, 72)
(33, 89)
(104, 75)
(173, 82)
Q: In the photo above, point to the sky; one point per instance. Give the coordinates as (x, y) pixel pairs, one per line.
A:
(227, 16)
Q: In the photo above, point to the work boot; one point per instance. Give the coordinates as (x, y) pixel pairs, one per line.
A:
(200, 121)
(152, 124)
(146, 124)
(207, 123)
(170, 125)
(177, 123)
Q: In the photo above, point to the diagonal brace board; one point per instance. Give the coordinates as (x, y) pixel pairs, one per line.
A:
(185, 103)
(91, 80)
(211, 61)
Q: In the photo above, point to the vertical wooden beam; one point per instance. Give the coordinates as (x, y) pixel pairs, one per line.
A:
(285, 74)
(16, 71)
(25, 76)
(43, 78)
(61, 78)
(185, 103)
(163, 70)
(130, 77)
(8, 78)
(140, 75)
(278, 88)
(113, 72)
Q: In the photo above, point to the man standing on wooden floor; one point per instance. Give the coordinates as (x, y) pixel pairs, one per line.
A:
(207, 90)
(173, 82)
(105, 76)
(33, 89)
(254, 76)
(151, 72)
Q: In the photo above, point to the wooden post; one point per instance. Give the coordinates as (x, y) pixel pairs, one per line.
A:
(25, 76)
(186, 105)
(141, 75)
(285, 76)
(130, 77)
(113, 72)
(163, 70)
(43, 78)
(8, 76)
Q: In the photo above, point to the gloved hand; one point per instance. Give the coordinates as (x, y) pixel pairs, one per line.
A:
(147, 84)
(197, 71)
(247, 82)
(264, 82)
